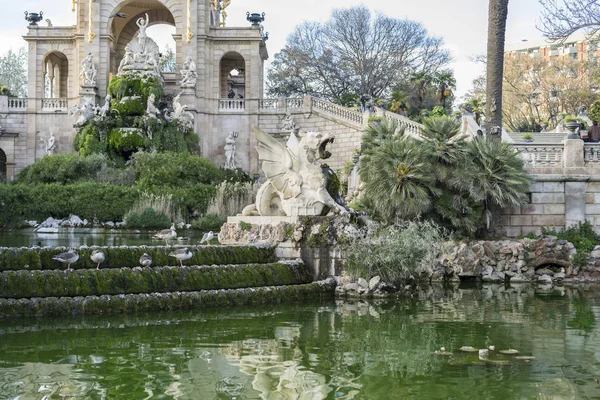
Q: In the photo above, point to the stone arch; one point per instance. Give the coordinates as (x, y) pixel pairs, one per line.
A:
(55, 75)
(3, 177)
(232, 83)
(124, 30)
(174, 7)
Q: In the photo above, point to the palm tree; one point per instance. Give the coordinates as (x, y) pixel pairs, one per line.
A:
(421, 80)
(446, 82)
(398, 179)
(497, 14)
(445, 145)
(493, 173)
(478, 106)
(400, 101)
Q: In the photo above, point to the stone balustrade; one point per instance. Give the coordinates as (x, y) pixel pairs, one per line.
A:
(55, 104)
(17, 104)
(337, 111)
(232, 105)
(294, 103)
(541, 156)
(268, 104)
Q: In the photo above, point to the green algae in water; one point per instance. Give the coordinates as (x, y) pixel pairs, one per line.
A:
(318, 350)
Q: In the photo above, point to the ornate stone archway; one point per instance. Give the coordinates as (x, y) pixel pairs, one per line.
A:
(232, 83)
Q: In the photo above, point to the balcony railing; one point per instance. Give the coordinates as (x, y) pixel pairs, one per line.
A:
(268, 104)
(541, 156)
(15, 103)
(232, 105)
(55, 104)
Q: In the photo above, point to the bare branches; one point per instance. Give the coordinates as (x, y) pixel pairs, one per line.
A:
(562, 18)
(354, 52)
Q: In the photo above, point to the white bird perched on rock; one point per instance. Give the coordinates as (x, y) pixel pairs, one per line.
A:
(98, 257)
(207, 237)
(146, 260)
(68, 258)
(182, 254)
(166, 234)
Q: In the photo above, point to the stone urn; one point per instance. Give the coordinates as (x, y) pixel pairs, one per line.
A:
(33, 18)
(255, 18)
(573, 127)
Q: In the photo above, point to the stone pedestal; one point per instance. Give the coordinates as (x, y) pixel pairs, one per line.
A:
(89, 94)
(573, 156)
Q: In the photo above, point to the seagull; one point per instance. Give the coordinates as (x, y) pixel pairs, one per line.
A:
(98, 257)
(118, 15)
(182, 254)
(68, 258)
(145, 260)
(166, 234)
(207, 237)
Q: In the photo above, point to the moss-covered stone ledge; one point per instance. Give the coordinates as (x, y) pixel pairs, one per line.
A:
(36, 258)
(57, 283)
(131, 303)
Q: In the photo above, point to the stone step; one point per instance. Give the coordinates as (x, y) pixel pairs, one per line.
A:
(36, 258)
(118, 281)
(131, 303)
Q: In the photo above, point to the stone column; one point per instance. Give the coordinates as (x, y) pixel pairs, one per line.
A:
(574, 203)
(573, 156)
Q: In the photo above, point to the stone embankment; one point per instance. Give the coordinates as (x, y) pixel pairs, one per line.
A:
(546, 261)
(33, 284)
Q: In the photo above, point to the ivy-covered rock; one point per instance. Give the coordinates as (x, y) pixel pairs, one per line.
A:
(92, 282)
(25, 258)
(127, 140)
(131, 303)
(130, 92)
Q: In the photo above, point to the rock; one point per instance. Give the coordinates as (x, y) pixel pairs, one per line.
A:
(545, 278)
(509, 351)
(559, 275)
(75, 220)
(85, 222)
(110, 224)
(374, 283)
(469, 349)
(362, 283)
(351, 287)
(31, 223)
(562, 242)
(544, 271)
(387, 287)
(345, 279)
(49, 223)
(487, 270)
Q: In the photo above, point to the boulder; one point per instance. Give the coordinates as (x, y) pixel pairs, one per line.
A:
(362, 283)
(374, 283)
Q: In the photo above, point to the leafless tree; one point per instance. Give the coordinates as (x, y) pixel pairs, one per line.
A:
(562, 18)
(354, 52)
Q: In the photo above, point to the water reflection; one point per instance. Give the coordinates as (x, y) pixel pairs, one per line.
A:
(336, 350)
(75, 237)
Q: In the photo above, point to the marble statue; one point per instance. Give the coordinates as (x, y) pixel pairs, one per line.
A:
(288, 124)
(83, 114)
(104, 111)
(151, 110)
(142, 36)
(49, 144)
(215, 12)
(127, 59)
(295, 181)
(88, 71)
(230, 150)
(2, 130)
(188, 73)
(181, 115)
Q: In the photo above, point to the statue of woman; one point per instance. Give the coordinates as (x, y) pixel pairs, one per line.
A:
(50, 144)
(142, 36)
(230, 150)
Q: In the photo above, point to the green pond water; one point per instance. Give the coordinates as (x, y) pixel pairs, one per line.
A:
(75, 237)
(331, 350)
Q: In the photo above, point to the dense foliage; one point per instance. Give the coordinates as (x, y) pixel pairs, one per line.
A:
(583, 237)
(441, 176)
(396, 254)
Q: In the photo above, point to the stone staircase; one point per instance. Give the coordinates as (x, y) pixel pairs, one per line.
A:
(32, 284)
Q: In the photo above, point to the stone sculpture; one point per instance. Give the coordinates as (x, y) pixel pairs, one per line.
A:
(230, 150)
(151, 110)
(295, 182)
(50, 144)
(188, 73)
(2, 130)
(142, 54)
(104, 111)
(185, 118)
(289, 125)
(83, 114)
(88, 71)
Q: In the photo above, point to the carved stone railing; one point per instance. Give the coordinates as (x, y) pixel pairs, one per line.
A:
(541, 156)
(294, 103)
(15, 103)
(591, 154)
(268, 104)
(55, 104)
(337, 111)
(412, 128)
(232, 105)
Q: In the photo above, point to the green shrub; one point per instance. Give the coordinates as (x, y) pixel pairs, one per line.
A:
(133, 84)
(397, 255)
(232, 197)
(116, 176)
(192, 201)
(88, 200)
(594, 113)
(160, 203)
(530, 235)
(63, 168)
(583, 237)
(209, 222)
(127, 140)
(174, 170)
(147, 219)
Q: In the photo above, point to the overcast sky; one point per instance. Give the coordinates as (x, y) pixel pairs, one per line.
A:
(461, 23)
